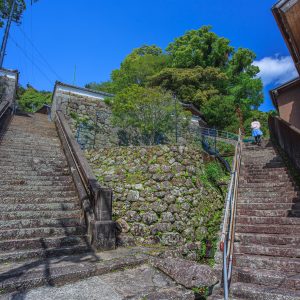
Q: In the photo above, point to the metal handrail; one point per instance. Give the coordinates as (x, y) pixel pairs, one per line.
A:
(228, 231)
(215, 133)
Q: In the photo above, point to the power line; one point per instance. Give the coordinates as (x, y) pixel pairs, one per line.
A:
(28, 57)
(40, 54)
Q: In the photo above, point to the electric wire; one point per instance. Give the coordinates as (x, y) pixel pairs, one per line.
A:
(29, 58)
(40, 54)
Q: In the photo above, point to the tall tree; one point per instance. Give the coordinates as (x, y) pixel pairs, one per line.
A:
(138, 66)
(5, 7)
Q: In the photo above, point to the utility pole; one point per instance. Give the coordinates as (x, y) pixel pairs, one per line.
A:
(5, 38)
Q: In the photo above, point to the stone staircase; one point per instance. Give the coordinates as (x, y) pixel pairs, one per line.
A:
(40, 212)
(267, 240)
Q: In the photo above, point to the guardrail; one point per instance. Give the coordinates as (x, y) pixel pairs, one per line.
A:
(96, 201)
(228, 231)
(219, 134)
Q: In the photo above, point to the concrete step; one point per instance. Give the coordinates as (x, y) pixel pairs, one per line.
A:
(271, 278)
(267, 239)
(282, 264)
(37, 214)
(40, 232)
(268, 250)
(256, 292)
(42, 243)
(36, 223)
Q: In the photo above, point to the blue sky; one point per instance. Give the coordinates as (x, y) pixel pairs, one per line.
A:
(96, 35)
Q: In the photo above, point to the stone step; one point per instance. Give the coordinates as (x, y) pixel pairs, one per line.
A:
(44, 202)
(269, 213)
(268, 278)
(281, 264)
(265, 172)
(43, 243)
(269, 206)
(262, 177)
(268, 250)
(36, 214)
(267, 229)
(40, 232)
(267, 189)
(32, 165)
(289, 198)
(268, 220)
(270, 184)
(43, 253)
(37, 188)
(52, 207)
(256, 292)
(267, 239)
(41, 172)
(35, 223)
(35, 149)
(32, 158)
(63, 270)
(37, 194)
(36, 182)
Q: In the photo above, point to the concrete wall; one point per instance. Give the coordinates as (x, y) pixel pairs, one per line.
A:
(289, 105)
(8, 85)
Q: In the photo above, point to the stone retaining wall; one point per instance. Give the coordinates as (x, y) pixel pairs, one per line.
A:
(81, 105)
(158, 195)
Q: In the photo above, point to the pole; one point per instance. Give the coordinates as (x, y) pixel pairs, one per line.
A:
(5, 38)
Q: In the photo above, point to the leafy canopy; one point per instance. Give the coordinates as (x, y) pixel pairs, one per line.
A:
(147, 114)
(31, 100)
(199, 68)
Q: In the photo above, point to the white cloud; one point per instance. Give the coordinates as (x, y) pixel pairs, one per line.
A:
(276, 70)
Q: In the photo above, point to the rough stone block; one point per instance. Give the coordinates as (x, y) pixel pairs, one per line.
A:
(104, 235)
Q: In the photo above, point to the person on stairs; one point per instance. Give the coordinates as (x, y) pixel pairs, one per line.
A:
(256, 131)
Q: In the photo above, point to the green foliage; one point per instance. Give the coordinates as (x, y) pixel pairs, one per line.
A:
(199, 48)
(31, 100)
(5, 7)
(200, 68)
(147, 114)
(213, 174)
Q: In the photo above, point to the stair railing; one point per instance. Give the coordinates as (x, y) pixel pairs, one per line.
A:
(228, 231)
(96, 201)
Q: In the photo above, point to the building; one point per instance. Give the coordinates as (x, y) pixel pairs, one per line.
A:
(286, 98)
(285, 128)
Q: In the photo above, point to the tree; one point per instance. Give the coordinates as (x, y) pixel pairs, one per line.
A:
(138, 66)
(5, 7)
(31, 100)
(199, 48)
(196, 85)
(147, 115)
